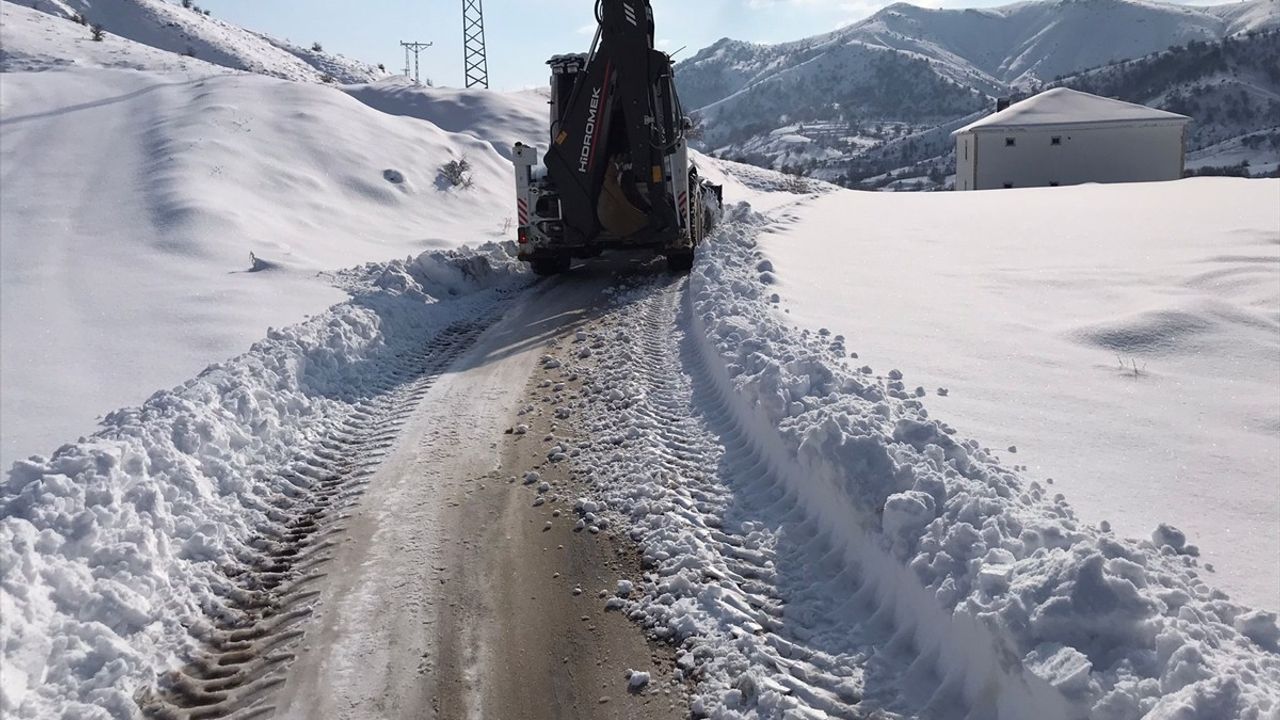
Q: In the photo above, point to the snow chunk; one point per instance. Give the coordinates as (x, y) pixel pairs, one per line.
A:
(1065, 668)
(637, 680)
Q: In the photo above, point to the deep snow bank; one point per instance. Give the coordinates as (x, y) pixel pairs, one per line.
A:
(112, 549)
(1024, 304)
(1017, 605)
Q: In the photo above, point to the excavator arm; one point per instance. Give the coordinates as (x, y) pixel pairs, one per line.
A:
(613, 129)
(618, 174)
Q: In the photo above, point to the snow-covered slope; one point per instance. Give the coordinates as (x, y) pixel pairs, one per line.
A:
(1017, 44)
(185, 31)
(126, 192)
(521, 117)
(1231, 89)
(35, 41)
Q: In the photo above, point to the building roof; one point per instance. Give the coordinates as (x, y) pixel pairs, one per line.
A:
(1062, 106)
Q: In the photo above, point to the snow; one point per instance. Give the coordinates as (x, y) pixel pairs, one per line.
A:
(1032, 307)
(133, 200)
(521, 117)
(115, 549)
(1063, 106)
(846, 447)
(637, 680)
(785, 434)
(814, 534)
(179, 31)
(35, 41)
(746, 92)
(1264, 160)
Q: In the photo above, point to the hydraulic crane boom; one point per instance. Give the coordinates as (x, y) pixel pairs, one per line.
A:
(622, 101)
(617, 174)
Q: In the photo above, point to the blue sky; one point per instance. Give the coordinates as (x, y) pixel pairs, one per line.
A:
(522, 34)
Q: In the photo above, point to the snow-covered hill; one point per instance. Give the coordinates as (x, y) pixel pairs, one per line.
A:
(1231, 89)
(818, 101)
(125, 191)
(171, 27)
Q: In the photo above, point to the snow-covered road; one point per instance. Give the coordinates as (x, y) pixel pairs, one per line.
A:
(458, 493)
(417, 615)
(811, 543)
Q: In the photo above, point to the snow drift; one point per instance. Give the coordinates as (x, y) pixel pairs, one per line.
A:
(1017, 605)
(114, 549)
(137, 182)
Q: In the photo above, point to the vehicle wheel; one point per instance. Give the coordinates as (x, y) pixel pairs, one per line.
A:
(680, 262)
(554, 265)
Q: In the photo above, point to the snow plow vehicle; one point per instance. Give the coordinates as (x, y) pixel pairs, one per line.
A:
(617, 174)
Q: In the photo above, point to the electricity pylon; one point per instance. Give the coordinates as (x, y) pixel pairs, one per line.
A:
(473, 56)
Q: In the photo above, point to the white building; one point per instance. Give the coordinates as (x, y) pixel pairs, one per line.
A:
(1065, 137)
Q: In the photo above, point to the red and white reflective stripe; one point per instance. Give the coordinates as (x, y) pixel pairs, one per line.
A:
(683, 201)
(522, 211)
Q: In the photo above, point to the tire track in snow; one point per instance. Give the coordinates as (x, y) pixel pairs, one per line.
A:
(247, 635)
(770, 615)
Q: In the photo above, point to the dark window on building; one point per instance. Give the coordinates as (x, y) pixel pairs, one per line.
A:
(1008, 186)
(1055, 141)
(1010, 142)
(966, 149)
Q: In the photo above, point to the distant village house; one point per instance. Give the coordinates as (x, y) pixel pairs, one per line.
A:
(1066, 137)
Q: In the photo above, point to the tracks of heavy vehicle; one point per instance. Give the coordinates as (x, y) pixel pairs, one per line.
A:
(781, 592)
(246, 639)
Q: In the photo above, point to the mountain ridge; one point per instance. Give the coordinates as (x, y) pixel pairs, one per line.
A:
(1007, 46)
(816, 102)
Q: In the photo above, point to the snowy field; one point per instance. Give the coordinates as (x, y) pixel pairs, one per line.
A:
(133, 199)
(1031, 308)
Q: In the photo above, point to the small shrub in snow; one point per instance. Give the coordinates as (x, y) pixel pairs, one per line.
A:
(186, 4)
(328, 79)
(317, 47)
(794, 181)
(97, 32)
(1129, 366)
(80, 19)
(457, 173)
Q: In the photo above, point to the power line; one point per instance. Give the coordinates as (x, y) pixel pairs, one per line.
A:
(415, 48)
(474, 61)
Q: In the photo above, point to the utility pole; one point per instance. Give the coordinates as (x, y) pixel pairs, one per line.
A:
(415, 48)
(473, 54)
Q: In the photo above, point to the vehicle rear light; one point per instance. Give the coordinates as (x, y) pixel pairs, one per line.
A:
(523, 235)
